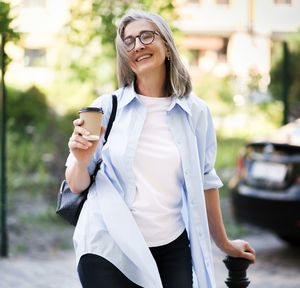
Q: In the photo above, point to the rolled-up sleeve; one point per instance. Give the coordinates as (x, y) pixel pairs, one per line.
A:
(91, 167)
(211, 179)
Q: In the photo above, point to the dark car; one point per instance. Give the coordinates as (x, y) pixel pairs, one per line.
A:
(265, 191)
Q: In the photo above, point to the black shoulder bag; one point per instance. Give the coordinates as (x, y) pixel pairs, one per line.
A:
(69, 204)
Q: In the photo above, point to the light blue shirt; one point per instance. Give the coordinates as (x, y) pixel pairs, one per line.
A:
(106, 226)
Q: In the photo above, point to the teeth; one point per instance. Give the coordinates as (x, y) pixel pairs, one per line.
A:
(143, 57)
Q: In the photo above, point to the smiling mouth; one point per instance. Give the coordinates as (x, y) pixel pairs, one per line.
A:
(143, 57)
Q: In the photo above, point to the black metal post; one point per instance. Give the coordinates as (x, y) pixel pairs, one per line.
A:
(237, 276)
(285, 82)
(3, 227)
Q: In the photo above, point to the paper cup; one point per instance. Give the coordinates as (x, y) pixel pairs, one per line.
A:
(92, 119)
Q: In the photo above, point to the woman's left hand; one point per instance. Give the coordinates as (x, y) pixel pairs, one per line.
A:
(240, 248)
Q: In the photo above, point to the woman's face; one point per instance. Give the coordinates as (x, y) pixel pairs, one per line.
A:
(145, 59)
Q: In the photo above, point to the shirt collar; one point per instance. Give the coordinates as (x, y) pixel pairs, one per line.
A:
(128, 94)
(182, 102)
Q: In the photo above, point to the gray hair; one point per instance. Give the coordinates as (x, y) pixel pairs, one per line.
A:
(178, 79)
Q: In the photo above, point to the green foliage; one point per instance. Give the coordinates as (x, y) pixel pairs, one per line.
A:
(27, 110)
(9, 34)
(28, 121)
(92, 30)
(69, 94)
(218, 92)
(228, 150)
(40, 223)
(36, 153)
(36, 143)
(210, 87)
(293, 73)
(64, 123)
(26, 167)
(237, 121)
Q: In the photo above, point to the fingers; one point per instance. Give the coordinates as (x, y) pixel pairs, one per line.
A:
(82, 131)
(78, 142)
(248, 248)
(78, 139)
(78, 122)
(242, 249)
(249, 252)
(78, 130)
(249, 256)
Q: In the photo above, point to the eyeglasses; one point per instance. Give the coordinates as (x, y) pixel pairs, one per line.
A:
(145, 37)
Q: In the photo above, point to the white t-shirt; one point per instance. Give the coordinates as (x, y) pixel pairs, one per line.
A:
(157, 167)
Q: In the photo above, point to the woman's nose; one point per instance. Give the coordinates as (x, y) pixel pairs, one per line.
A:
(138, 44)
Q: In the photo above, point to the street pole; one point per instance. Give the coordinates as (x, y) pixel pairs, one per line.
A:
(237, 272)
(3, 227)
(285, 82)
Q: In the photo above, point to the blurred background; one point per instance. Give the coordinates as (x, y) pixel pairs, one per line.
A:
(59, 55)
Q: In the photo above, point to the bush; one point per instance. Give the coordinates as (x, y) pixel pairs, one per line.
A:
(27, 110)
(28, 118)
(36, 143)
(36, 153)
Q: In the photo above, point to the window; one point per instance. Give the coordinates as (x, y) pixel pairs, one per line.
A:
(283, 2)
(223, 2)
(34, 3)
(35, 57)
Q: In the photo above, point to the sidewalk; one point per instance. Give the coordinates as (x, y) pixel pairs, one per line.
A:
(57, 271)
(277, 266)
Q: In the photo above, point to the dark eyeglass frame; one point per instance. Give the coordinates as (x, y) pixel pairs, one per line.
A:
(133, 38)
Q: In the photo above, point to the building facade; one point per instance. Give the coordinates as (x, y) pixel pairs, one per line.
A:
(220, 36)
(230, 36)
(39, 23)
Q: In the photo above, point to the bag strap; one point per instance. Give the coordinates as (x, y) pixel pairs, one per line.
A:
(111, 118)
(108, 128)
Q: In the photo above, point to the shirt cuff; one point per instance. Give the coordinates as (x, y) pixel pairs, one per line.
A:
(212, 180)
(71, 159)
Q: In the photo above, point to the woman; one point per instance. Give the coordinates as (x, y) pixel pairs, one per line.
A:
(148, 217)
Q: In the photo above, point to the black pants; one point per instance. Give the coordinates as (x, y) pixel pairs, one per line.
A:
(173, 261)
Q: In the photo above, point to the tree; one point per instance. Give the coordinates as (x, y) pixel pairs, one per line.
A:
(6, 30)
(7, 33)
(292, 76)
(92, 30)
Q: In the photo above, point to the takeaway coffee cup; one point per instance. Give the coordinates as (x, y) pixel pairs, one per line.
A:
(92, 118)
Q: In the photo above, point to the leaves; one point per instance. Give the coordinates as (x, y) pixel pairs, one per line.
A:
(6, 30)
(293, 73)
(92, 29)
(6, 21)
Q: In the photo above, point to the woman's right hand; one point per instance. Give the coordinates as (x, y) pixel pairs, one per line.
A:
(81, 148)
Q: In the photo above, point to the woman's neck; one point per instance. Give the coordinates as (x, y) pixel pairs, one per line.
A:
(152, 85)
